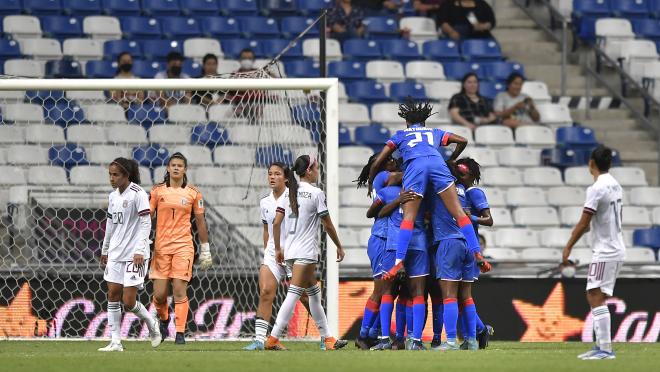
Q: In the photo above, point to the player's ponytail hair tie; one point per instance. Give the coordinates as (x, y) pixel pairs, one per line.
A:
(312, 161)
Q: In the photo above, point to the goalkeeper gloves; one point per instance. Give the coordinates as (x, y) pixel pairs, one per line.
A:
(484, 266)
(205, 259)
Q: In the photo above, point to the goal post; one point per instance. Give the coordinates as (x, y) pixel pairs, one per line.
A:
(33, 199)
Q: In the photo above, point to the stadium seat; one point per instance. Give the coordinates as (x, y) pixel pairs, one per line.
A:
(542, 176)
(496, 197)
(350, 237)
(387, 114)
(100, 69)
(482, 50)
(570, 215)
(563, 196)
(536, 217)
(126, 134)
(354, 114)
(385, 71)
(333, 49)
(494, 135)
(10, 134)
(502, 254)
(152, 155)
(519, 157)
(366, 91)
(578, 176)
(180, 27)
(9, 49)
(47, 175)
(44, 133)
(647, 238)
(611, 33)
(401, 91)
(27, 155)
(400, 50)
(541, 254)
(373, 136)
(347, 70)
(249, 176)
(564, 157)
(102, 27)
(486, 157)
(502, 216)
(636, 217)
(583, 8)
(640, 255)
(234, 155)
(141, 28)
(645, 196)
(63, 113)
(23, 113)
(83, 49)
(629, 176)
(169, 134)
(361, 50)
(233, 47)
(11, 176)
(421, 28)
(158, 8)
(63, 69)
(183, 113)
(229, 66)
(557, 238)
(113, 48)
(555, 114)
(42, 7)
(81, 7)
(220, 27)
(489, 89)
(499, 71)
(238, 7)
(302, 68)
(526, 197)
(41, 49)
(243, 134)
(292, 26)
(157, 50)
(424, 71)
(69, 155)
(352, 197)
(630, 8)
(314, 7)
(212, 176)
(147, 69)
(500, 176)
(381, 28)
(61, 27)
(637, 52)
(86, 134)
(146, 114)
(516, 238)
(535, 136)
(646, 28)
(22, 26)
(442, 90)
(89, 175)
(538, 90)
(105, 113)
(259, 27)
(41, 96)
(345, 136)
(25, 68)
(9, 7)
(122, 7)
(196, 155)
(271, 48)
(457, 70)
(209, 135)
(354, 156)
(580, 256)
(279, 8)
(354, 217)
(466, 133)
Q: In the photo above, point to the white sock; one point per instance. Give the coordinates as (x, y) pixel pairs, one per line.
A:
(286, 310)
(143, 314)
(261, 329)
(595, 323)
(114, 321)
(603, 335)
(315, 307)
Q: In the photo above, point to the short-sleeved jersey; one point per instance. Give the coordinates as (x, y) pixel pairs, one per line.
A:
(604, 202)
(417, 141)
(443, 224)
(302, 240)
(475, 202)
(418, 242)
(268, 207)
(380, 224)
(124, 210)
(174, 208)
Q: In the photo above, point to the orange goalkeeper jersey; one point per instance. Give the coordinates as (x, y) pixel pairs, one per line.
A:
(173, 208)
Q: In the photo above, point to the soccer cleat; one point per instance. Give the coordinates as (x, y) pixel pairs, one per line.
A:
(417, 345)
(331, 343)
(255, 345)
(472, 344)
(154, 332)
(180, 340)
(436, 341)
(398, 344)
(363, 343)
(464, 345)
(385, 344)
(113, 346)
(448, 346)
(600, 354)
(164, 330)
(409, 342)
(484, 336)
(593, 350)
(273, 343)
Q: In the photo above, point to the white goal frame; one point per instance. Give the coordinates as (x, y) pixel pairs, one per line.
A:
(328, 85)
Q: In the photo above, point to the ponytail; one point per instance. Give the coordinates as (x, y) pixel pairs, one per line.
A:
(176, 155)
(129, 168)
(363, 178)
(300, 167)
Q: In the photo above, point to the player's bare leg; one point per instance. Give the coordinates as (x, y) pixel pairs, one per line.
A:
(602, 323)
(410, 210)
(160, 292)
(449, 198)
(134, 306)
(436, 304)
(114, 317)
(181, 308)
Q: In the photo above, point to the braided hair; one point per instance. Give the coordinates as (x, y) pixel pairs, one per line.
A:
(415, 112)
(129, 168)
(363, 178)
(469, 166)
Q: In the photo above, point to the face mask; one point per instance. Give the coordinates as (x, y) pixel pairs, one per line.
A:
(125, 67)
(247, 64)
(175, 70)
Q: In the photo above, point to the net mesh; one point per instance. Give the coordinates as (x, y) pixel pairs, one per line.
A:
(55, 150)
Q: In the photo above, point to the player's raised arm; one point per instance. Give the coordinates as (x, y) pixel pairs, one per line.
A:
(460, 142)
(385, 153)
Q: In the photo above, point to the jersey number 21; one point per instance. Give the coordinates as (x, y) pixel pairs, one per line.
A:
(419, 138)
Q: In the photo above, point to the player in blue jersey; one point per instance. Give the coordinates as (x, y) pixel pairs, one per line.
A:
(424, 167)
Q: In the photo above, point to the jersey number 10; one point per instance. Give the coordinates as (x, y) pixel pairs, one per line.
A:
(419, 138)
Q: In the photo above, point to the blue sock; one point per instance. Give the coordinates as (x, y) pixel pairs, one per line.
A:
(450, 317)
(419, 314)
(436, 307)
(386, 308)
(462, 320)
(409, 318)
(370, 311)
(400, 318)
(470, 235)
(480, 324)
(405, 234)
(374, 330)
(470, 318)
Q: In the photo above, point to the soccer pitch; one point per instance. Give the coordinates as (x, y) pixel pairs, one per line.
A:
(228, 356)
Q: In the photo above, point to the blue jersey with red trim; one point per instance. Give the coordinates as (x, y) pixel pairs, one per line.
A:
(443, 225)
(419, 241)
(417, 141)
(476, 202)
(380, 223)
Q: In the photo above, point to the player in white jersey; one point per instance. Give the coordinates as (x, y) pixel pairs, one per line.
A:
(125, 252)
(271, 273)
(602, 211)
(303, 207)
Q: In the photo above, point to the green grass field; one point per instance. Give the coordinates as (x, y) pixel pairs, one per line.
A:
(227, 356)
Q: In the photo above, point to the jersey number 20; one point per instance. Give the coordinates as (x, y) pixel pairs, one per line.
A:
(419, 137)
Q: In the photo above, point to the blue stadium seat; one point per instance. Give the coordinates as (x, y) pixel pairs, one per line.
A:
(238, 7)
(500, 71)
(122, 7)
(279, 8)
(490, 89)
(305, 68)
(647, 238)
(180, 27)
(347, 70)
(68, 155)
(153, 155)
(381, 27)
(192, 68)
(307, 115)
(400, 91)
(146, 114)
(61, 27)
(312, 8)
(481, 50)
(272, 47)
(113, 48)
(561, 158)
(81, 7)
(209, 135)
(63, 113)
(200, 7)
(366, 91)
(220, 27)
(344, 136)
(10, 7)
(232, 47)
(374, 136)
(159, 8)
(159, 49)
(65, 68)
(630, 8)
(9, 49)
(100, 69)
(259, 27)
(140, 28)
(654, 8)
(647, 28)
(361, 50)
(293, 26)
(576, 136)
(39, 97)
(269, 154)
(147, 69)
(400, 50)
(442, 50)
(591, 8)
(42, 7)
(456, 70)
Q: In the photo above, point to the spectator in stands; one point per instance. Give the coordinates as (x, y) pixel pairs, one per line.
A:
(515, 108)
(378, 7)
(247, 104)
(468, 107)
(428, 8)
(466, 19)
(209, 70)
(174, 71)
(345, 21)
(247, 58)
(124, 71)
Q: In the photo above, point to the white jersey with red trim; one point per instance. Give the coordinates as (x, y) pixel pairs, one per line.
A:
(604, 202)
(124, 212)
(268, 206)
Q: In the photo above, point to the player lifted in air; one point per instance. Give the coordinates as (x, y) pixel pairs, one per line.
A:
(602, 210)
(172, 203)
(125, 252)
(304, 209)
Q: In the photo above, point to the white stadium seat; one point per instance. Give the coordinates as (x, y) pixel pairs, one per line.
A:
(519, 157)
(636, 217)
(655, 215)
(226, 66)
(89, 175)
(425, 71)
(236, 215)
(182, 113)
(501, 217)
(197, 48)
(196, 155)
(535, 136)
(126, 134)
(386, 114)
(526, 197)
(570, 215)
(47, 175)
(629, 176)
(442, 90)
(502, 254)
(385, 71)
(354, 217)
(291, 134)
(273, 113)
(421, 28)
(486, 157)
(254, 235)
(464, 132)
(347, 175)
(494, 135)
(23, 113)
(542, 176)
(354, 114)
(102, 27)
(354, 156)
(555, 114)
(501, 176)
(105, 113)
(536, 216)
(640, 255)
(12, 96)
(246, 134)
(234, 155)
(578, 176)
(86, 134)
(25, 68)
(10, 134)
(628, 237)
(332, 48)
(545, 254)
(212, 176)
(637, 52)
(558, 237)
(22, 26)
(236, 196)
(566, 196)
(11, 176)
(255, 177)
(86, 97)
(354, 197)
(365, 234)
(165, 134)
(145, 178)
(645, 196)
(350, 238)
(44, 134)
(581, 256)
(3, 156)
(41, 49)
(516, 238)
(538, 90)
(222, 113)
(356, 257)
(611, 33)
(27, 155)
(496, 197)
(105, 154)
(83, 49)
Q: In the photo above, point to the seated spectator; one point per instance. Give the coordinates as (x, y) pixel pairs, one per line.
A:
(466, 19)
(378, 7)
(247, 59)
(209, 70)
(124, 71)
(468, 107)
(345, 21)
(428, 8)
(247, 104)
(515, 108)
(174, 67)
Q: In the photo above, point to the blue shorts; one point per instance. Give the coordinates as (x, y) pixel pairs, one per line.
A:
(433, 248)
(416, 263)
(427, 170)
(375, 250)
(454, 261)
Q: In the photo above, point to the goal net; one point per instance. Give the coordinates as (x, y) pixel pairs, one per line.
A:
(57, 138)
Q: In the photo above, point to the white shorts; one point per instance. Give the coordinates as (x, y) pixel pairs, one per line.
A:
(280, 272)
(603, 275)
(299, 261)
(125, 273)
